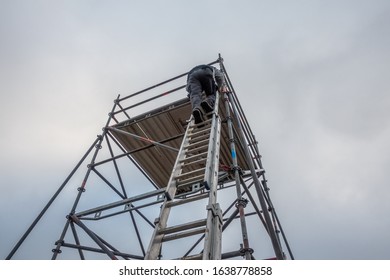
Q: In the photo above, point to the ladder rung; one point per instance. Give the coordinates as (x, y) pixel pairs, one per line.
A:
(192, 180)
(192, 257)
(199, 138)
(186, 226)
(204, 123)
(187, 200)
(200, 132)
(190, 158)
(189, 173)
(199, 143)
(184, 234)
(199, 161)
(195, 150)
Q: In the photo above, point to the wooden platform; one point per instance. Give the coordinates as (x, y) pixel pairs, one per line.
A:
(166, 125)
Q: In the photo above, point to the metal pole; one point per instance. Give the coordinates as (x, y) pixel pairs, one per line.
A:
(268, 197)
(241, 203)
(150, 99)
(132, 160)
(125, 194)
(245, 128)
(127, 154)
(77, 240)
(108, 183)
(253, 202)
(81, 189)
(95, 250)
(159, 84)
(142, 138)
(93, 236)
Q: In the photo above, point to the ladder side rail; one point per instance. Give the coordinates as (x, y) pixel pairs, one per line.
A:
(156, 240)
(213, 236)
(213, 154)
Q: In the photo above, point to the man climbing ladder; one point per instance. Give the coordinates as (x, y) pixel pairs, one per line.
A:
(204, 79)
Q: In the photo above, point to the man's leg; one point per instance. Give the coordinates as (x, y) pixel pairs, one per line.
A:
(208, 103)
(208, 86)
(195, 89)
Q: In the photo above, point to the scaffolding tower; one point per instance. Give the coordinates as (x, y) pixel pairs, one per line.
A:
(203, 193)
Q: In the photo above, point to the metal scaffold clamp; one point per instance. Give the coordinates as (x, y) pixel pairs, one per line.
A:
(242, 202)
(243, 250)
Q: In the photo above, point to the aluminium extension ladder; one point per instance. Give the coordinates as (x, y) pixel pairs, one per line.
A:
(196, 165)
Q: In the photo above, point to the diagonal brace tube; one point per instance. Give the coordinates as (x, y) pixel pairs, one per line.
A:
(75, 219)
(143, 139)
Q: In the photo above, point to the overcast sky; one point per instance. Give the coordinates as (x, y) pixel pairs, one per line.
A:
(312, 78)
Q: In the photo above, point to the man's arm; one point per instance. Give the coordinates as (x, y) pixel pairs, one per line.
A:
(220, 80)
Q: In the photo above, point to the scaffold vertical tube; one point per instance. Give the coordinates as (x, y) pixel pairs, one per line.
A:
(81, 189)
(240, 202)
(274, 239)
